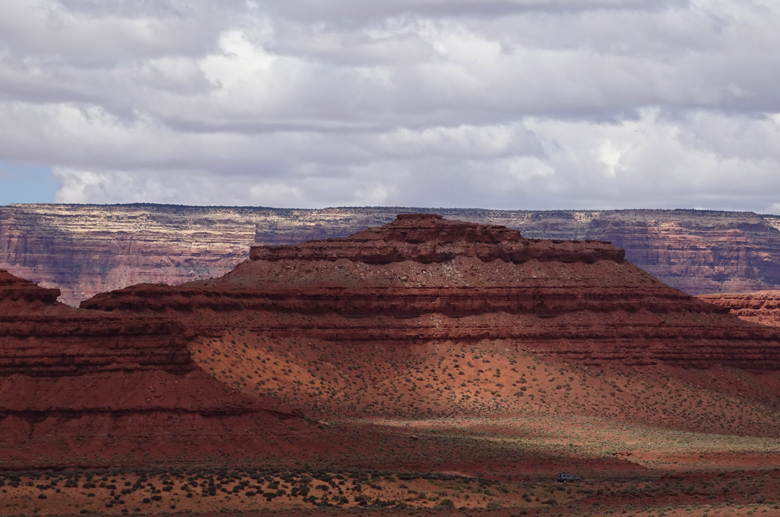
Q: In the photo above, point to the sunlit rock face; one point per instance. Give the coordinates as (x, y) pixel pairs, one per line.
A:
(761, 307)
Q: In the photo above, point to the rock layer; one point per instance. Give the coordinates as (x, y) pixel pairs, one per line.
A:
(87, 249)
(761, 307)
(426, 316)
(432, 239)
(85, 388)
(581, 299)
(421, 317)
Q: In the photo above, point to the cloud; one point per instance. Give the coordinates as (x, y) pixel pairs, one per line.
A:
(498, 103)
(351, 11)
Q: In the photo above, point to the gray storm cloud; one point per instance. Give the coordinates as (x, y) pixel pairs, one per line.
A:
(505, 104)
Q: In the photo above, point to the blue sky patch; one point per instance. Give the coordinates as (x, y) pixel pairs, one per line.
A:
(22, 183)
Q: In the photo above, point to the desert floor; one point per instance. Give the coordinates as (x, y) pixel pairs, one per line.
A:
(496, 467)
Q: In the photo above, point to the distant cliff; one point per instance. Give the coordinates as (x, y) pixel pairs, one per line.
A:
(87, 249)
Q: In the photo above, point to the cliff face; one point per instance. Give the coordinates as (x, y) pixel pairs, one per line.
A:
(423, 264)
(761, 307)
(428, 316)
(86, 249)
(773, 220)
(421, 317)
(86, 388)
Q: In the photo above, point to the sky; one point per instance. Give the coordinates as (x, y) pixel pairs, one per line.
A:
(509, 104)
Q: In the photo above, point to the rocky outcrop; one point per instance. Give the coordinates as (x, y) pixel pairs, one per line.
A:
(432, 239)
(24, 294)
(421, 317)
(43, 338)
(426, 316)
(85, 388)
(86, 249)
(579, 299)
(761, 307)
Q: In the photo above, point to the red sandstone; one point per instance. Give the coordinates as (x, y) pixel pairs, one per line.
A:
(761, 307)
(342, 326)
(421, 317)
(86, 388)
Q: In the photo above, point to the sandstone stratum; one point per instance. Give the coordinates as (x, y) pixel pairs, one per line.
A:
(91, 389)
(87, 249)
(761, 307)
(424, 364)
(428, 317)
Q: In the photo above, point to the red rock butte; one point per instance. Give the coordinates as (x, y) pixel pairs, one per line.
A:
(86, 388)
(429, 238)
(88, 249)
(576, 298)
(427, 316)
(424, 345)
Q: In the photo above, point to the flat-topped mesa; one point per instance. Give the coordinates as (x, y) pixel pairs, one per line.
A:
(429, 238)
(91, 388)
(41, 337)
(424, 279)
(16, 290)
(410, 319)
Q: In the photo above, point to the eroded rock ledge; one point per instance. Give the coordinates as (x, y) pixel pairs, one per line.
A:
(13, 289)
(761, 307)
(422, 278)
(91, 388)
(428, 238)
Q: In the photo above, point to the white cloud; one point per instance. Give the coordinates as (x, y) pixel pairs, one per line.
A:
(500, 103)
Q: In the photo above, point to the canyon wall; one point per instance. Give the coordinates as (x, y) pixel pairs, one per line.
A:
(87, 249)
